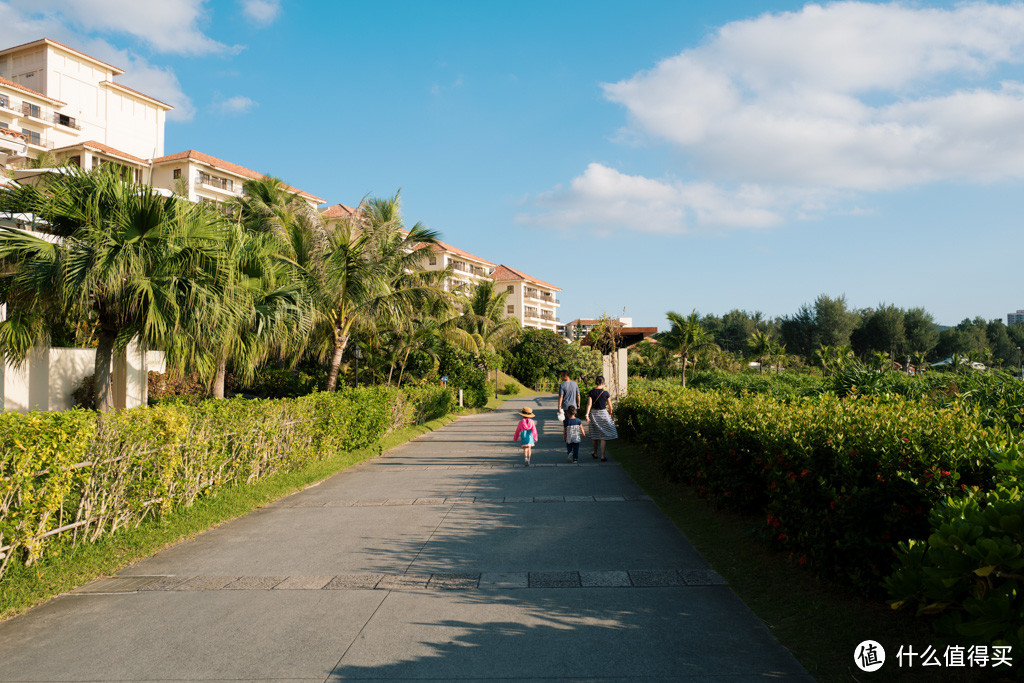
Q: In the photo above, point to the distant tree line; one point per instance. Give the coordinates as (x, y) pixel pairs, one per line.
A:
(828, 322)
(827, 331)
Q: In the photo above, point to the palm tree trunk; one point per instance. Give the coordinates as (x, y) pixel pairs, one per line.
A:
(340, 342)
(219, 376)
(104, 396)
(685, 358)
(402, 371)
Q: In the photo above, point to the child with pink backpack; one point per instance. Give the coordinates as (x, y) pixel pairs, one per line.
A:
(526, 434)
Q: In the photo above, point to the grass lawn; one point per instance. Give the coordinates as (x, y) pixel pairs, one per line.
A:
(819, 623)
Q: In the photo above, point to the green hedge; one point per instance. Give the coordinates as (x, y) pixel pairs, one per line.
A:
(101, 473)
(839, 481)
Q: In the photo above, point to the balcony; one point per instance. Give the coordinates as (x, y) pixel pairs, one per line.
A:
(548, 299)
(66, 121)
(475, 271)
(205, 181)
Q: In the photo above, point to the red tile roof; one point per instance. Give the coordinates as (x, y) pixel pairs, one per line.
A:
(229, 167)
(19, 86)
(443, 246)
(503, 273)
(105, 149)
(13, 133)
(112, 84)
(339, 211)
(50, 41)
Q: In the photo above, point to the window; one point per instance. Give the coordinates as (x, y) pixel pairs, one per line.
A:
(32, 136)
(177, 173)
(433, 260)
(511, 309)
(76, 160)
(3, 125)
(64, 120)
(509, 289)
(29, 109)
(5, 102)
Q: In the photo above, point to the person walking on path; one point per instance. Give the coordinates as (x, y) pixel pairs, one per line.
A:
(599, 417)
(568, 395)
(526, 434)
(572, 434)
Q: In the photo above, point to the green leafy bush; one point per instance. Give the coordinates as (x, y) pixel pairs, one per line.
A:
(511, 389)
(968, 576)
(840, 481)
(284, 383)
(100, 473)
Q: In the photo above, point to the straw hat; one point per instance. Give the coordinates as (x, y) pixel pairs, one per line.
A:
(526, 412)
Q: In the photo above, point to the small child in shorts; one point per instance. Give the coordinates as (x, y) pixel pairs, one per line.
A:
(572, 434)
(526, 434)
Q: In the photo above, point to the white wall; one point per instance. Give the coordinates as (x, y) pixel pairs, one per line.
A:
(616, 384)
(67, 369)
(47, 379)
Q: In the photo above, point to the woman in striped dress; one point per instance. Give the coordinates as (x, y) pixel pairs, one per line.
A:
(599, 416)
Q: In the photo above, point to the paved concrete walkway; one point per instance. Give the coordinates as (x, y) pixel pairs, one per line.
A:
(443, 560)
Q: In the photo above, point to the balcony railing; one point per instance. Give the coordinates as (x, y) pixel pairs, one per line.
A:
(66, 121)
(472, 270)
(215, 183)
(540, 296)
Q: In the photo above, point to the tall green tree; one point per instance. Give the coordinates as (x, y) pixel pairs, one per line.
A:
(124, 257)
(367, 271)
(922, 334)
(685, 337)
(833, 324)
(761, 347)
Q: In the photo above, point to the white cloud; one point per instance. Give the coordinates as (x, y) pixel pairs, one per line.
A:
(606, 199)
(169, 26)
(828, 100)
(238, 104)
(262, 12)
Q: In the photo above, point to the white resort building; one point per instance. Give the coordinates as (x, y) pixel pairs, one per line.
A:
(533, 301)
(58, 97)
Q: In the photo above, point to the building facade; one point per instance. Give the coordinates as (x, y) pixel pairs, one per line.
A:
(1015, 318)
(534, 302)
(203, 178)
(57, 96)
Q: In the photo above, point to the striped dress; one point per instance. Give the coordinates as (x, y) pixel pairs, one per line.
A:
(601, 426)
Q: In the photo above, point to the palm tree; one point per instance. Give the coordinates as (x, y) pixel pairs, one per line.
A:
(760, 345)
(778, 355)
(881, 361)
(824, 356)
(125, 258)
(685, 337)
(367, 270)
(483, 317)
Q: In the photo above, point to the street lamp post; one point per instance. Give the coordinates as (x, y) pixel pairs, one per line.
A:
(1020, 368)
(357, 353)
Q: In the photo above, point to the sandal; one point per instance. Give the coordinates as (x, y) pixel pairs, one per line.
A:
(604, 459)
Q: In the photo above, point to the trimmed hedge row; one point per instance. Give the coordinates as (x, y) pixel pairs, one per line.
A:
(840, 481)
(92, 474)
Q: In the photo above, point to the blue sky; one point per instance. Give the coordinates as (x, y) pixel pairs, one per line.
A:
(643, 156)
